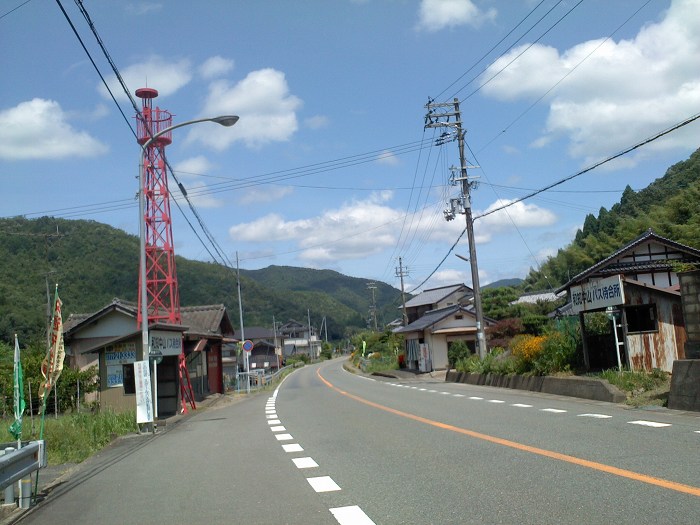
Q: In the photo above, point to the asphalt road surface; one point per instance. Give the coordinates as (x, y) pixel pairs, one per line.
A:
(330, 447)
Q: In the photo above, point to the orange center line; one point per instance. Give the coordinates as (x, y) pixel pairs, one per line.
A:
(601, 467)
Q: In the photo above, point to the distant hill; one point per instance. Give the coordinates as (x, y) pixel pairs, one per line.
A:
(94, 263)
(670, 206)
(514, 282)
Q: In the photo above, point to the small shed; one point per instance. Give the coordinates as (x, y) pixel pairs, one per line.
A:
(638, 289)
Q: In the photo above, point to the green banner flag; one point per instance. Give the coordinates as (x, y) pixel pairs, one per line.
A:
(16, 426)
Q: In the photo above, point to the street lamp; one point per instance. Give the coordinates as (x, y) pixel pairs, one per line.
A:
(224, 120)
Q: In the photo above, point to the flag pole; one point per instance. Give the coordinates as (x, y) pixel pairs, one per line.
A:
(51, 366)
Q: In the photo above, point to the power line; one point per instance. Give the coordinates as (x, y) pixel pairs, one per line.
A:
(476, 63)
(596, 165)
(14, 9)
(657, 136)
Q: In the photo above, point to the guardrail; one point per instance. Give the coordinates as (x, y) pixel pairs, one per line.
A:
(366, 362)
(260, 379)
(18, 464)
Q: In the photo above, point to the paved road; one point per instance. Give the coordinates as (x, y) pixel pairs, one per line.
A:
(333, 447)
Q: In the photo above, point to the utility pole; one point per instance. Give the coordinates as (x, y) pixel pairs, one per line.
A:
(373, 309)
(401, 272)
(439, 116)
(274, 329)
(240, 316)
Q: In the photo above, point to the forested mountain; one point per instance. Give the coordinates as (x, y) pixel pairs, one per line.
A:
(670, 206)
(94, 263)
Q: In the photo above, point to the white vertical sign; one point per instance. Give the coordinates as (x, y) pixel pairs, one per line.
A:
(144, 400)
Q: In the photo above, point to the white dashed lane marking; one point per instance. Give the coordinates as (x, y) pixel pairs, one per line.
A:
(476, 398)
(595, 416)
(653, 424)
(553, 410)
(497, 401)
(305, 463)
(323, 484)
(521, 405)
(352, 515)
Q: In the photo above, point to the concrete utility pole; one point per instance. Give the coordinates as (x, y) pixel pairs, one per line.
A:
(373, 309)
(240, 316)
(438, 116)
(401, 272)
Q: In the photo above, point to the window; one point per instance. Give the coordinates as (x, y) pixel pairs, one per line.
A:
(458, 317)
(641, 318)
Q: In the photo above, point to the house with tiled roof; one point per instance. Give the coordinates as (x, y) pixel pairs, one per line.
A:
(638, 288)
(437, 318)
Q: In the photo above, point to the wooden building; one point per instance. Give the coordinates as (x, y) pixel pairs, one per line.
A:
(111, 340)
(637, 287)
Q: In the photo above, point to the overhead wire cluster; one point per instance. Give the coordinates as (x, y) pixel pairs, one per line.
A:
(533, 193)
(428, 190)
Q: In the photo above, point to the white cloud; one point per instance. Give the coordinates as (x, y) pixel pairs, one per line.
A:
(39, 129)
(449, 276)
(168, 77)
(624, 92)
(523, 215)
(193, 167)
(264, 194)
(435, 15)
(215, 67)
(189, 172)
(143, 8)
(264, 103)
(317, 122)
(388, 158)
(355, 230)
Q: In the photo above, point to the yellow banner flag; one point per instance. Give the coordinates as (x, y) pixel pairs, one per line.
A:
(52, 366)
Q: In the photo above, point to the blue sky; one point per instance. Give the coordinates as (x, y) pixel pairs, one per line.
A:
(330, 165)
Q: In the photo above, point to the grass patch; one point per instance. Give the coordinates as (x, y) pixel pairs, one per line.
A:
(75, 437)
(642, 388)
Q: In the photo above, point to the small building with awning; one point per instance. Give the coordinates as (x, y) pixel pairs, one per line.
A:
(111, 340)
(637, 288)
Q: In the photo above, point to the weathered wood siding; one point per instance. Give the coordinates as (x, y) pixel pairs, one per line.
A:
(656, 349)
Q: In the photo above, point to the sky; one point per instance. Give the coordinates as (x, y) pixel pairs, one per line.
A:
(330, 165)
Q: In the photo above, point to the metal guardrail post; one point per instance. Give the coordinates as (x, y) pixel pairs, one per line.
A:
(10, 489)
(18, 464)
(25, 492)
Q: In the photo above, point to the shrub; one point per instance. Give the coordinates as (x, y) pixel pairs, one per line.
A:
(457, 350)
(526, 346)
(503, 331)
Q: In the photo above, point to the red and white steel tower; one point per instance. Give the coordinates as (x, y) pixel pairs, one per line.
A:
(162, 292)
(163, 300)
